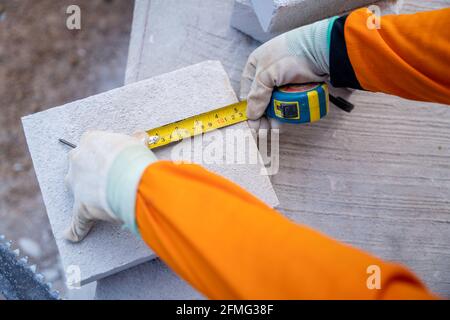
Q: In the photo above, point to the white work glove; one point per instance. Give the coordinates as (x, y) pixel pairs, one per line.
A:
(104, 173)
(296, 57)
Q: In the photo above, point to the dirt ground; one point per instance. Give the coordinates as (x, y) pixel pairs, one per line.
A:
(42, 65)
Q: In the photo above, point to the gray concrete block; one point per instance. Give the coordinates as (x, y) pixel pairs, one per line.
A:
(378, 185)
(171, 34)
(245, 20)
(284, 15)
(381, 197)
(149, 281)
(143, 105)
(168, 34)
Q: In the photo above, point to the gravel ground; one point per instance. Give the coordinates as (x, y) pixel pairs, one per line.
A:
(42, 65)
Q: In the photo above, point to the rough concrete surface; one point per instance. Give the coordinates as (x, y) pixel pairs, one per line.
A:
(148, 281)
(43, 64)
(284, 15)
(245, 20)
(376, 179)
(139, 106)
(171, 34)
(196, 33)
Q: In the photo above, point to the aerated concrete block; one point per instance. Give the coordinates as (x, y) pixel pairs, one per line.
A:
(170, 34)
(148, 281)
(139, 106)
(150, 55)
(284, 15)
(153, 280)
(245, 20)
(196, 33)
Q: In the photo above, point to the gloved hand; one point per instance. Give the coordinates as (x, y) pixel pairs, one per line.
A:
(298, 56)
(104, 173)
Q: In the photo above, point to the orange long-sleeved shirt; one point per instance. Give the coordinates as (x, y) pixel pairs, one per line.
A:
(229, 245)
(408, 56)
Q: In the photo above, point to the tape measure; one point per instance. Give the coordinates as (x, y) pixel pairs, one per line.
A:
(292, 103)
(299, 103)
(199, 124)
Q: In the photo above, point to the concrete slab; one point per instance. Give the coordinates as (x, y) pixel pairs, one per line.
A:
(193, 37)
(245, 20)
(171, 34)
(149, 281)
(284, 15)
(376, 178)
(143, 105)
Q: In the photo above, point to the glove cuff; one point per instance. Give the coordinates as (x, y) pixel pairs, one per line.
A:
(313, 42)
(123, 181)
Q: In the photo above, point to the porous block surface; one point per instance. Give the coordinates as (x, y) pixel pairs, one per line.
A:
(171, 34)
(148, 281)
(139, 106)
(245, 20)
(284, 15)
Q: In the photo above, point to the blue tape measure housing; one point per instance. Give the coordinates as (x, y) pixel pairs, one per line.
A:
(299, 103)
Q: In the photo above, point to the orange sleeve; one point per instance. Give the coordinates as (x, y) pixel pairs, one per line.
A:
(229, 245)
(408, 56)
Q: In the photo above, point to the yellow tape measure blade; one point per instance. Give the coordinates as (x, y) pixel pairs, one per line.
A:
(199, 124)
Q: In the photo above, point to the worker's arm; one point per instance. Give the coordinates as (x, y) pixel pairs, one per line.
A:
(230, 245)
(217, 236)
(407, 56)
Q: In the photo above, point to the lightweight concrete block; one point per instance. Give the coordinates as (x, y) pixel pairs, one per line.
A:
(196, 33)
(245, 20)
(341, 176)
(284, 15)
(368, 193)
(171, 34)
(143, 105)
(148, 281)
